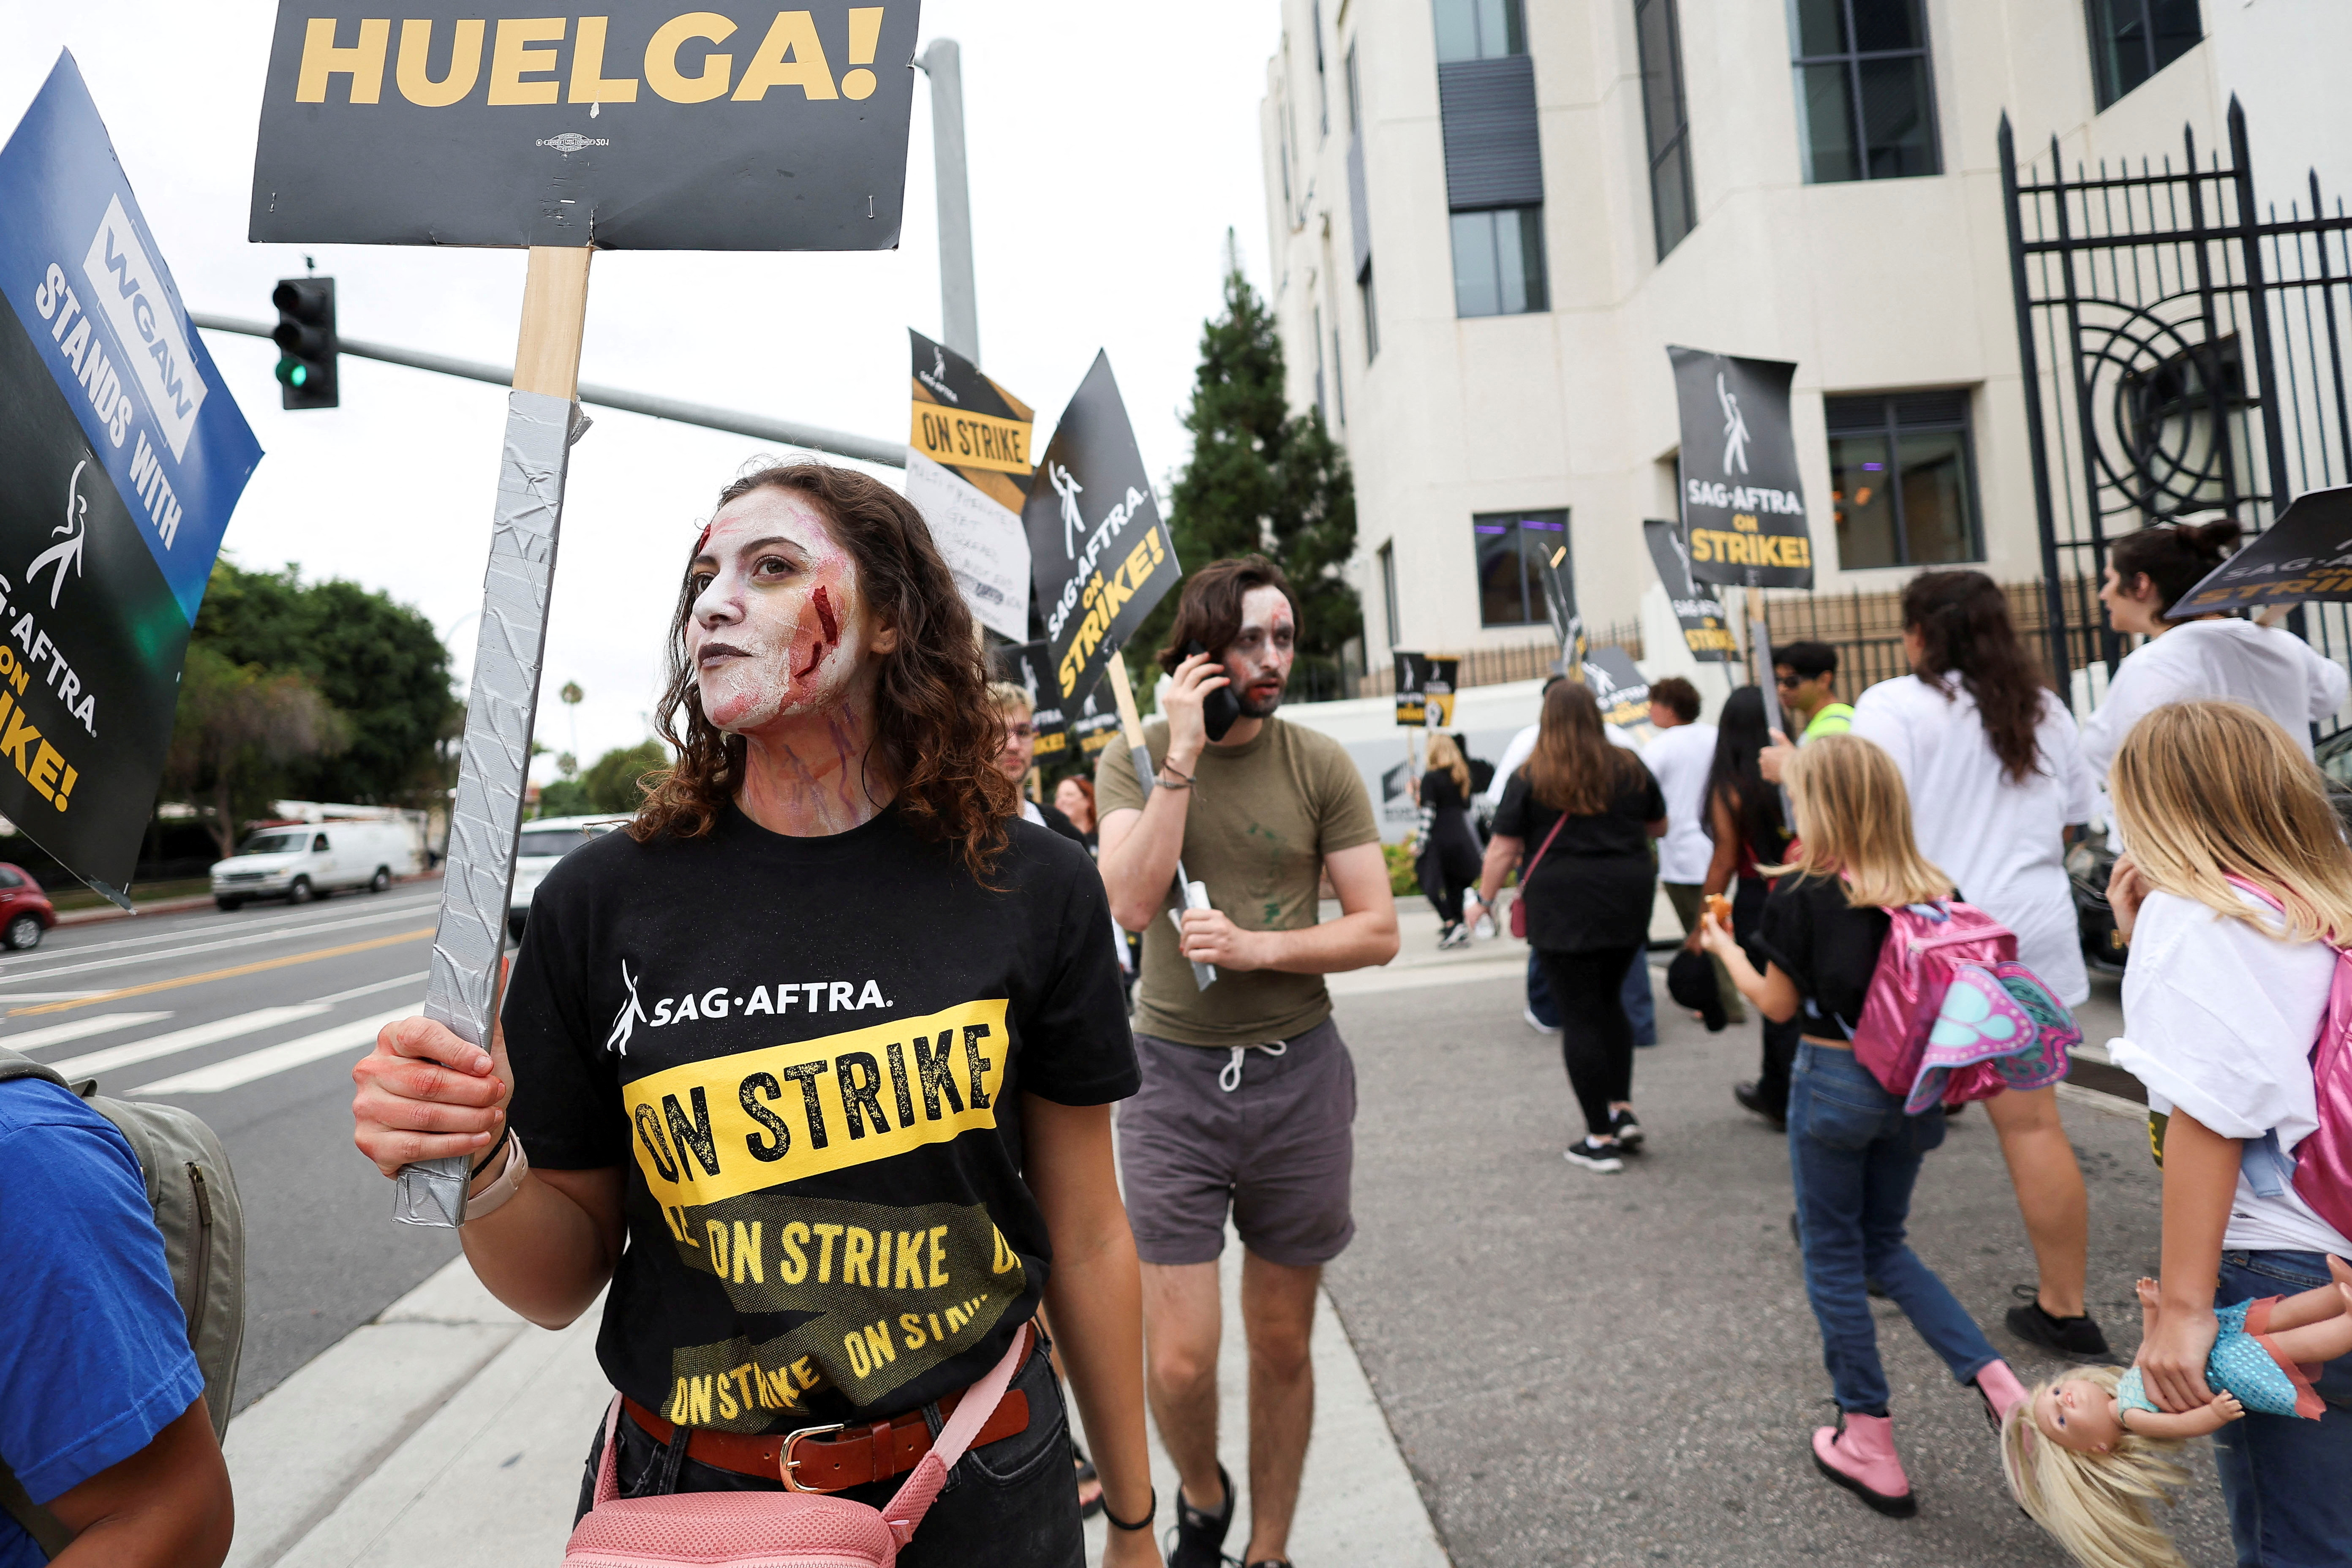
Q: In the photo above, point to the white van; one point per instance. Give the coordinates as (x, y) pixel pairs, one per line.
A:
(546, 840)
(299, 861)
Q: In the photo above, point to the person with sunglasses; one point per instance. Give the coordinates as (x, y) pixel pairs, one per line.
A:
(1806, 675)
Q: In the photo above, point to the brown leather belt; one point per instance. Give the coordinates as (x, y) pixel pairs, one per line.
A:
(845, 1456)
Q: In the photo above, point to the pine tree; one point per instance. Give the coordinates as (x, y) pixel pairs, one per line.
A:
(1261, 479)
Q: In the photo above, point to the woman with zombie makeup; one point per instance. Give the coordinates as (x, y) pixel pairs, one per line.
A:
(813, 1065)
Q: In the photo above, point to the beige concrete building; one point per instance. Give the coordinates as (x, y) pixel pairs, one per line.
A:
(1489, 217)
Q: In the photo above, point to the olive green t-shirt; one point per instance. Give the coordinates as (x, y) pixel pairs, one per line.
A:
(1264, 815)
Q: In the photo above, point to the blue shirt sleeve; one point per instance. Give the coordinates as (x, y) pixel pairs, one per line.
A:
(94, 1357)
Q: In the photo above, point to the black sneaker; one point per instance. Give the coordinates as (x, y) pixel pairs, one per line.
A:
(1200, 1537)
(2076, 1338)
(1750, 1096)
(1626, 1130)
(1595, 1156)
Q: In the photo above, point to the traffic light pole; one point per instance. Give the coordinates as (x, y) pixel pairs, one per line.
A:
(959, 292)
(810, 437)
(543, 418)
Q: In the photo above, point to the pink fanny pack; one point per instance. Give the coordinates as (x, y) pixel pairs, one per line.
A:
(777, 1530)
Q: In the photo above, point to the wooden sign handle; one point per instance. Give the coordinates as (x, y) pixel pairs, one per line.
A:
(555, 316)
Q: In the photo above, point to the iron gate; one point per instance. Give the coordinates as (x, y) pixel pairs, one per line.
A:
(2182, 346)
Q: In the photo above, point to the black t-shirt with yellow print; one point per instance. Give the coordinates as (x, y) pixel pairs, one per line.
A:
(808, 1055)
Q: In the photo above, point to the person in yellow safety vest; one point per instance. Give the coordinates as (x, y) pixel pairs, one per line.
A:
(1806, 673)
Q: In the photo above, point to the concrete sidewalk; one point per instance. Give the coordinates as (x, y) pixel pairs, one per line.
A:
(449, 1431)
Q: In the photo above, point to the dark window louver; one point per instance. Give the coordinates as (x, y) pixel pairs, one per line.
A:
(1488, 111)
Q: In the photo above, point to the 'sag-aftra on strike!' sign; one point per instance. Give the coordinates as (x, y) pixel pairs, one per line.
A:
(648, 127)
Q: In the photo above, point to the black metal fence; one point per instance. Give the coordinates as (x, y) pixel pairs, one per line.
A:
(2183, 344)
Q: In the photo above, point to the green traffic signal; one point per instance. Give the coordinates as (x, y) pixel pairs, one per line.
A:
(307, 345)
(293, 373)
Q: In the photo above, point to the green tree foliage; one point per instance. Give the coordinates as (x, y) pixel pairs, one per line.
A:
(609, 786)
(240, 734)
(377, 663)
(1261, 478)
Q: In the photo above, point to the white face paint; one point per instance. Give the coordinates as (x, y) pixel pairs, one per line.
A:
(780, 629)
(1258, 662)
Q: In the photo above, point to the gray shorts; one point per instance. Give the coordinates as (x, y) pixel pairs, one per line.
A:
(1278, 1146)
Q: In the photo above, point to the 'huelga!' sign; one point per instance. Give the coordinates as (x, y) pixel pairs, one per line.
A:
(1099, 556)
(121, 456)
(649, 126)
(1743, 503)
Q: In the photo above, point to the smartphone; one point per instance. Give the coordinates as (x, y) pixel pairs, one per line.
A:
(1219, 710)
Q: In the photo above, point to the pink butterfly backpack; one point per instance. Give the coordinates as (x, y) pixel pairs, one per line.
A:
(2321, 1169)
(1951, 1015)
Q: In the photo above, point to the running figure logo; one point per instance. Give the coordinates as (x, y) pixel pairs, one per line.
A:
(1735, 427)
(631, 1014)
(1074, 526)
(68, 550)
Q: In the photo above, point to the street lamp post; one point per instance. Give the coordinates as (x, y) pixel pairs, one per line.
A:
(959, 296)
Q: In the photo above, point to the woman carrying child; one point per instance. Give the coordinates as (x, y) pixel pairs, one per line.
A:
(2235, 895)
(1852, 1152)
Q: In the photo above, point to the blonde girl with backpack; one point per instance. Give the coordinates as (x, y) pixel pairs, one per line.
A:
(2236, 896)
(1852, 1152)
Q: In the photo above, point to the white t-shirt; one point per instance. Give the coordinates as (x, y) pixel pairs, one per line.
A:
(1679, 760)
(2268, 668)
(1998, 840)
(1523, 746)
(2221, 1020)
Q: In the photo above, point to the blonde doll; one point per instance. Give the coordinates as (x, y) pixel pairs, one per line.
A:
(2088, 1453)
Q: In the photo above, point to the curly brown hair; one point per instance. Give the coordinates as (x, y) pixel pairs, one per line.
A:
(936, 732)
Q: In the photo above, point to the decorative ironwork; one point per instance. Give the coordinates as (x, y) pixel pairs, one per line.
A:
(2181, 350)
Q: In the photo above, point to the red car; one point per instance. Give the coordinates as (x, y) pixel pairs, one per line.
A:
(24, 912)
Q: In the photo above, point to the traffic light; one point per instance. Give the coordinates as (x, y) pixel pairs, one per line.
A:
(305, 336)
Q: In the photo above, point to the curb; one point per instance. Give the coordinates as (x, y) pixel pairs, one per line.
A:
(175, 906)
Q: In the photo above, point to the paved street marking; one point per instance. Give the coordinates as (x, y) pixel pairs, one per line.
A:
(79, 1028)
(133, 1052)
(47, 970)
(419, 934)
(359, 991)
(239, 1071)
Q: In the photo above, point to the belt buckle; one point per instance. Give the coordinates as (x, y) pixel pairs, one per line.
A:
(786, 1464)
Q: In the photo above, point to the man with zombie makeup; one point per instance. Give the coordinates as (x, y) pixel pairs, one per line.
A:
(1248, 1096)
(813, 1065)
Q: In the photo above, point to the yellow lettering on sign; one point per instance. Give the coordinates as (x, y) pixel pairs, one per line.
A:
(363, 62)
(510, 62)
(790, 56)
(465, 64)
(661, 58)
(589, 82)
(696, 1143)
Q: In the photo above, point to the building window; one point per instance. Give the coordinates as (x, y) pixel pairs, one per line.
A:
(1371, 315)
(1389, 592)
(1321, 407)
(1903, 480)
(1354, 94)
(1479, 29)
(2131, 40)
(1322, 87)
(1865, 103)
(1658, 36)
(1512, 549)
(1339, 371)
(1498, 262)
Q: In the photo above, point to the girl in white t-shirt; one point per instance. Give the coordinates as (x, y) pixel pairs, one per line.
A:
(1995, 773)
(2273, 671)
(2222, 1000)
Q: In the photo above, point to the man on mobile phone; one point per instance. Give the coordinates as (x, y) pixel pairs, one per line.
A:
(1249, 1095)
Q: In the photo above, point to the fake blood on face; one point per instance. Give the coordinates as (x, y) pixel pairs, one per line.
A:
(830, 639)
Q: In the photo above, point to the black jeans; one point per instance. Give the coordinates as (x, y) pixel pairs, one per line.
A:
(1596, 1038)
(1010, 1504)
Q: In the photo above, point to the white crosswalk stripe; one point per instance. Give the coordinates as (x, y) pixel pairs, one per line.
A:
(76, 1029)
(133, 1052)
(237, 1071)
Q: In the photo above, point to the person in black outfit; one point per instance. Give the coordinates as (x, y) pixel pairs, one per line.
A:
(1584, 812)
(1743, 817)
(1448, 867)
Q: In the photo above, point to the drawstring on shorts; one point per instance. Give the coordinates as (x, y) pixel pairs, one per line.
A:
(1229, 1076)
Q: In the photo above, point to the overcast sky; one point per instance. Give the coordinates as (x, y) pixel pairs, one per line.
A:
(1110, 145)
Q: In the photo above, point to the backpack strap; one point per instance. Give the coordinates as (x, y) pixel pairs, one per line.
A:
(16, 1064)
(48, 1533)
(916, 1494)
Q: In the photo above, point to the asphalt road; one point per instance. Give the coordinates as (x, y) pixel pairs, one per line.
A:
(253, 1020)
(1622, 1370)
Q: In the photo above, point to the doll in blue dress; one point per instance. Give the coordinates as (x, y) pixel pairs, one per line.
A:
(2089, 1454)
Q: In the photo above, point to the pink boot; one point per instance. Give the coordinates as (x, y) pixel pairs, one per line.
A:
(1858, 1454)
(2000, 1390)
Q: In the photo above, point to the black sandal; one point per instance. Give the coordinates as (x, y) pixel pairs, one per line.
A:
(1087, 1506)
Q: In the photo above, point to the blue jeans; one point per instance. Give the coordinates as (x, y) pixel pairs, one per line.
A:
(2288, 1481)
(1540, 1000)
(1641, 1005)
(1854, 1157)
